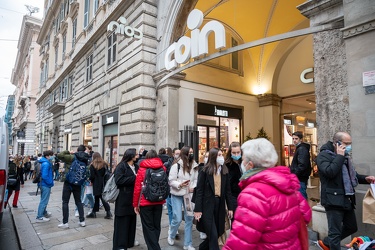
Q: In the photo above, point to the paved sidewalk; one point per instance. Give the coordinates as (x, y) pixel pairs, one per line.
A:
(96, 235)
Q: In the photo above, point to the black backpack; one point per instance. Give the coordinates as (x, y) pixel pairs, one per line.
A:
(12, 170)
(38, 173)
(156, 186)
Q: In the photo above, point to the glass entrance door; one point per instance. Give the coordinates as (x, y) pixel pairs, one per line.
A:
(208, 138)
(110, 150)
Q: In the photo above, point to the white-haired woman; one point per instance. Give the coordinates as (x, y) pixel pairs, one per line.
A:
(270, 206)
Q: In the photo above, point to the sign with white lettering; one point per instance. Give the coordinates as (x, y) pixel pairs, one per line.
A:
(221, 112)
(121, 29)
(303, 76)
(23, 141)
(197, 45)
(368, 78)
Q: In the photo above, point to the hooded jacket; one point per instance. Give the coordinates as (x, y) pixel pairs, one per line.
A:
(301, 165)
(330, 172)
(68, 158)
(269, 211)
(46, 172)
(154, 163)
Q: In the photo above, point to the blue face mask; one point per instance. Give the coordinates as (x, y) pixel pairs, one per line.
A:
(348, 149)
(236, 157)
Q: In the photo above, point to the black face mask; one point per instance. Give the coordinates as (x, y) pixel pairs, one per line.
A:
(136, 160)
(191, 157)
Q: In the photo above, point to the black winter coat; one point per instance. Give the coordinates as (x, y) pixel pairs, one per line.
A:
(205, 202)
(19, 177)
(332, 193)
(125, 179)
(234, 178)
(301, 165)
(97, 179)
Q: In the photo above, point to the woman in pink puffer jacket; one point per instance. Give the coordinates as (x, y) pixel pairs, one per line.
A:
(269, 205)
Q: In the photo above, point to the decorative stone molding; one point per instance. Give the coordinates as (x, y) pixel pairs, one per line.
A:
(358, 29)
(269, 100)
(161, 74)
(314, 7)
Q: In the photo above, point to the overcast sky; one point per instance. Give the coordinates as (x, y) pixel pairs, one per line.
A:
(11, 14)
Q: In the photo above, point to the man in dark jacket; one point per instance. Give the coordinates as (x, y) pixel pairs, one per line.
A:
(301, 165)
(338, 179)
(68, 188)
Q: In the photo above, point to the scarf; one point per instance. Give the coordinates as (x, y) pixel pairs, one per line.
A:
(251, 172)
(349, 176)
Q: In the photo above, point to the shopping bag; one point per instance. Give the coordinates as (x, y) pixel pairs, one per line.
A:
(368, 215)
(189, 206)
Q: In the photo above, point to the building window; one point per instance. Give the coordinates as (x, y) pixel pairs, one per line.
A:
(89, 68)
(111, 49)
(45, 78)
(96, 5)
(56, 55)
(74, 32)
(64, 46)
(41, 81)
(70, 85)
(86, 14)
(64, 90)
(56, 95)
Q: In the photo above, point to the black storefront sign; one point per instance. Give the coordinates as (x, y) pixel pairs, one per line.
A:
(110, 118)
(219, 111)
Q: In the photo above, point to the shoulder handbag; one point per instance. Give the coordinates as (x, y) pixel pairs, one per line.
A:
(303, 234)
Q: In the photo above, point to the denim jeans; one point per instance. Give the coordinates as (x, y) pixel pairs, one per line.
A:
(44, 198)
(177, 203)
(88, 199)
(68, 189)
(303, 189)
(169, 207)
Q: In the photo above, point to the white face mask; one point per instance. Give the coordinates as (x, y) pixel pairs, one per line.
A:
(220, 160)
(243, 167)
(176, 156)
(205, 160)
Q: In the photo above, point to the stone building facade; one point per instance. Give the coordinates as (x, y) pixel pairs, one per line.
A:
(25, 77)
(111, 90)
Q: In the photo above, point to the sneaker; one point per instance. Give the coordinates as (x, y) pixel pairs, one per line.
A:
(63, 225)
(321, 245)
(76, 214)
(170, 241)
(41, 219)
(90, 211)
(48, 214)
(202, 236)
(136, 243)
(189, 248)
(82, 223)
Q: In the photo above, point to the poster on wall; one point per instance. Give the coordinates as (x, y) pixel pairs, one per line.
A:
(288, 131)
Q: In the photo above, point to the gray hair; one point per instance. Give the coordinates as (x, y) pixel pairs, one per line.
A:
(261, 152)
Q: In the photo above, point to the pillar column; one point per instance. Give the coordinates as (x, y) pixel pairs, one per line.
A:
(330, 68)
(167, 111)
(269, 115)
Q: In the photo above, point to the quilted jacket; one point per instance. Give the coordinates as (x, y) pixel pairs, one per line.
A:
(154, 163)
(268, 212)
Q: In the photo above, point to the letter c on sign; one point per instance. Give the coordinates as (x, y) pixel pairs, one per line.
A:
(303, 76)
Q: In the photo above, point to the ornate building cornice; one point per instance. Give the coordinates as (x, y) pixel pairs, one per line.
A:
(358, 29)
(269, 100)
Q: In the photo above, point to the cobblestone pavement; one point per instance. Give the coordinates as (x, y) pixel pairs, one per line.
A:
(96, 235)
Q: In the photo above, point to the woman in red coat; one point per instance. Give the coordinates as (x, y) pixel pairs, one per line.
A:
(150, 212)
(270, 206)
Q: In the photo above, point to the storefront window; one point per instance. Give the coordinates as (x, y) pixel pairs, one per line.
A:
(304, 122)
(87, 135)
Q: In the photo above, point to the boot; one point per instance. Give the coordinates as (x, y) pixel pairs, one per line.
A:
(91, 215)
(109, 215)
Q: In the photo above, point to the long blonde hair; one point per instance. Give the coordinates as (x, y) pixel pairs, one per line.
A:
(97, 161)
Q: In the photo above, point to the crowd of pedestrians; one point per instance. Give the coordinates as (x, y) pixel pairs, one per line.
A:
(241, 189)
